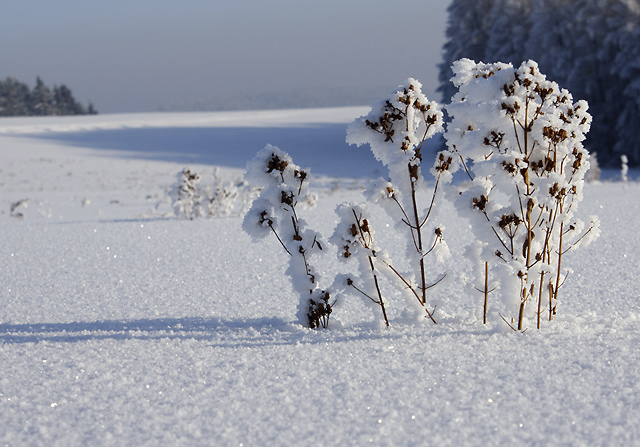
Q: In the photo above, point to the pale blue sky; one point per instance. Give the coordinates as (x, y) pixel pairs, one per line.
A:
(139, 55)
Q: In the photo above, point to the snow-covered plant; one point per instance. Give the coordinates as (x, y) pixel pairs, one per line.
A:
(624, 168)
(594, 172)
(17, 207)
(275, 211)
(523, 135)
(354, 238)
(186, 198)
(220, 197)
(396, 129)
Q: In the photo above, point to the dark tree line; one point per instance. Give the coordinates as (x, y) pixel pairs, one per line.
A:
(589, 47)
(17, 99)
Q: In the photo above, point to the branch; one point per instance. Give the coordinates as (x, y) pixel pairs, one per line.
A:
(280, 240)
(412, 290)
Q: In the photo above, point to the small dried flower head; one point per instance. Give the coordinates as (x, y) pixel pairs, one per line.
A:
(443, 163)
(509, 219)
(301, 175)
(390, 192)
(276, 164)
(286, 198)
(480, 203)
(265, 220)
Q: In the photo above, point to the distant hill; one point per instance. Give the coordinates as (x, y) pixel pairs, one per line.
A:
(17, 99)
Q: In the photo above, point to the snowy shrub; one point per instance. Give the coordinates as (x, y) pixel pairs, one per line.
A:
(522, 138)
(275, 211)
(220, 197)
(354, 237)
(624, 168)
(187, 200)
(396, 129)
(594, 172)
(191, 199)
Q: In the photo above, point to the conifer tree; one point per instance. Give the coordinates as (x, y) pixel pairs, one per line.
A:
(42, 101)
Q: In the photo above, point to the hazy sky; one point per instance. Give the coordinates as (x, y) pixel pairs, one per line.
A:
(139, 55)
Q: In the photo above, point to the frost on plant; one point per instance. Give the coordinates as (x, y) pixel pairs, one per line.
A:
(275, 212)
(624, 168)
(522, 135)
(220, 197)
(187, 200)
(355, 238)
(193, 199)
(396, 130)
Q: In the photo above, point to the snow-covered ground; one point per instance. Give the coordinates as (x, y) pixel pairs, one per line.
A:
(123, 325)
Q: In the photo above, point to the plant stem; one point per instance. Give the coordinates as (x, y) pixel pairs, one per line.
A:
(540, 299)
(412, 290)
(486, 291)
(375, 280)
(423, 279)
(555, 292)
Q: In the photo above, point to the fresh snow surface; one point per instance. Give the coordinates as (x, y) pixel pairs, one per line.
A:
(121, 324)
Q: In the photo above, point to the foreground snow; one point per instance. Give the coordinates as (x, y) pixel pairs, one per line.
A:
(120, 325)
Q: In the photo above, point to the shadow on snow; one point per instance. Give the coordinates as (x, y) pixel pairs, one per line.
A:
(218, 332)
(319, 147)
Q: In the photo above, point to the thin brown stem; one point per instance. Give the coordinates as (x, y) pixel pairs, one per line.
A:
(412, 290)
(419, 240)
(555, 292)
(486, 292)
(279, 240)
(433, 199)
(375, 280)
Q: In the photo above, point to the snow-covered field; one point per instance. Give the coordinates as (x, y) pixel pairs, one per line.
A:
(123, 325)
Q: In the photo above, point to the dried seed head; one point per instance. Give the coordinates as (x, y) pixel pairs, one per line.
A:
(390, 192)
(276, 164)
(480, 203)
(509, 167)
(286, 198)
(264, 219)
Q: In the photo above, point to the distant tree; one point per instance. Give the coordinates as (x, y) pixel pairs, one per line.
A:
(42, 100)
(590, 46)
(65, 102)
(17, 99)
(14, 97)
(91, 110)
(624, 44)
(507, 31)
(467, 34)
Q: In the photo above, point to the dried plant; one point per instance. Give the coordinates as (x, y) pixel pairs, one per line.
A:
(355, 238)
(187, 200)
(396, 130)
(220, 197)
(275, 211)
(524, 136)
(193, 199)
(624, 168)
(17, 207)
